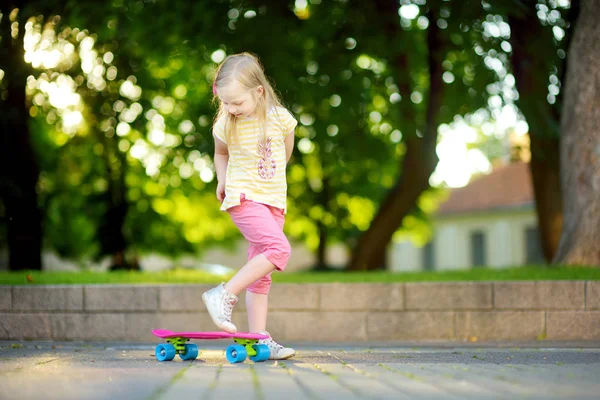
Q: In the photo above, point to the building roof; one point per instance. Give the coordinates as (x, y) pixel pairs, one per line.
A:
(506, 187)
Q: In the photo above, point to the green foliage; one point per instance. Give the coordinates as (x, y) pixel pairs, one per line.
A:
(144, 143)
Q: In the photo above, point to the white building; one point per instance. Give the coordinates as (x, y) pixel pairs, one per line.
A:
(490, 222)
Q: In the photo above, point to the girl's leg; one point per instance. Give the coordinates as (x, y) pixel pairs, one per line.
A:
(257, 305)
(262, 226)
(254, 269)
(257, 295)
(257, 300)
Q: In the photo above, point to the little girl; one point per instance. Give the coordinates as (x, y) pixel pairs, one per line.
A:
(254, 138)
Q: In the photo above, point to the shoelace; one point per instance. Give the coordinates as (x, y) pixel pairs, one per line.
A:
(273, 344)
(227, 308)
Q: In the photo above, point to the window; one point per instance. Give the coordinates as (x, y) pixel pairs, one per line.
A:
(533, 251)
(478, 249)
(428, 257)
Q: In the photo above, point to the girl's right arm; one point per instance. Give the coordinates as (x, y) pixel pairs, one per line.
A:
(221, 159)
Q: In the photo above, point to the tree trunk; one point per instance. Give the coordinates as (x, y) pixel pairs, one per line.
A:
(529, 68)
(580, 144)
(110, 232)
(418, 163)
(323, 199)
(19, 171)
(322, 249)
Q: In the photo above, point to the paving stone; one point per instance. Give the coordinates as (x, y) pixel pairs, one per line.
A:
(190, 381)
(118, 370)
(318, 383)
(276, 382)
(358, 381)
(234, 382)
(408, 386)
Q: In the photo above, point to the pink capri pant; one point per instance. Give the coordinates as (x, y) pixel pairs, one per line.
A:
(262, 226)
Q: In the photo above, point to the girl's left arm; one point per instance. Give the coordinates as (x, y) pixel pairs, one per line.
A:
(289, 146)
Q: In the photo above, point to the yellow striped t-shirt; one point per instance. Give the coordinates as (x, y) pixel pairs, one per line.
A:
(257, 168)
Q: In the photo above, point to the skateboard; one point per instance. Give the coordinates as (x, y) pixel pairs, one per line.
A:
(236, 353)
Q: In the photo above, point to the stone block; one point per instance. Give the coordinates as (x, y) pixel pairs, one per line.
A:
(88, 326)
(326, 326)
(25, 326)
(592, 295)
(239, 319)
(411, 325)
(543, 295)
(5, 298)
(448, 296)
(573, 325)
(276, 323)
(182, 297)
(362, 296)
(294, 296)
(121, 298)
(499, 325)
(48, 298)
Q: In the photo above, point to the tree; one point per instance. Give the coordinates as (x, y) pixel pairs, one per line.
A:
(535, 63)
(19, 170)
(580, 144)
(419, 62)
(369, 99)
(87, 175)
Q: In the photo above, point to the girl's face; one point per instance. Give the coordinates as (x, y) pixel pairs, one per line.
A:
(239, 101)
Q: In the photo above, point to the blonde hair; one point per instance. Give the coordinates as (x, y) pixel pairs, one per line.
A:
(247, 70)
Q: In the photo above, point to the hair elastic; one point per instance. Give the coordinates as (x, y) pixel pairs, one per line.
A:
(215, 87)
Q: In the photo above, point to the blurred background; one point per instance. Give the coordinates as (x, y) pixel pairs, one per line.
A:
(428, 131)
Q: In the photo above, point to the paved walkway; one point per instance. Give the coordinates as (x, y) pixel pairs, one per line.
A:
(538, 370)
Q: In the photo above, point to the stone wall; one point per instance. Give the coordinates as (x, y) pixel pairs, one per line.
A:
(527, 310)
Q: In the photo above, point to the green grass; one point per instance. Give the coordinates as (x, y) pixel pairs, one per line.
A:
(190, 276)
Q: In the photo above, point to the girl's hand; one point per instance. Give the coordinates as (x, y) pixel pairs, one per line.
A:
(221, 191)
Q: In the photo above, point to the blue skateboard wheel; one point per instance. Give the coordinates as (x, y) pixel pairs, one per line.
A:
(236, 353)
(262, 353)
(191, 352)
(165, 352)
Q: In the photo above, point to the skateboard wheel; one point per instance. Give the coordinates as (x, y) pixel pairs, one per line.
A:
(165, 352)
(236, 353)
(191, 352)
(262, 353)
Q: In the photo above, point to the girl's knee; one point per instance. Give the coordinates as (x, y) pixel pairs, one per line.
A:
(261, 286)
(286, 251)
(279, 254)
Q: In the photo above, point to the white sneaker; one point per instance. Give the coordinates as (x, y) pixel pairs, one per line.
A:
(219, 304)
(278, 352)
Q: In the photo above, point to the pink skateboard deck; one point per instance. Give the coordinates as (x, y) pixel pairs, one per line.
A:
(166, 334)
(246, 345)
